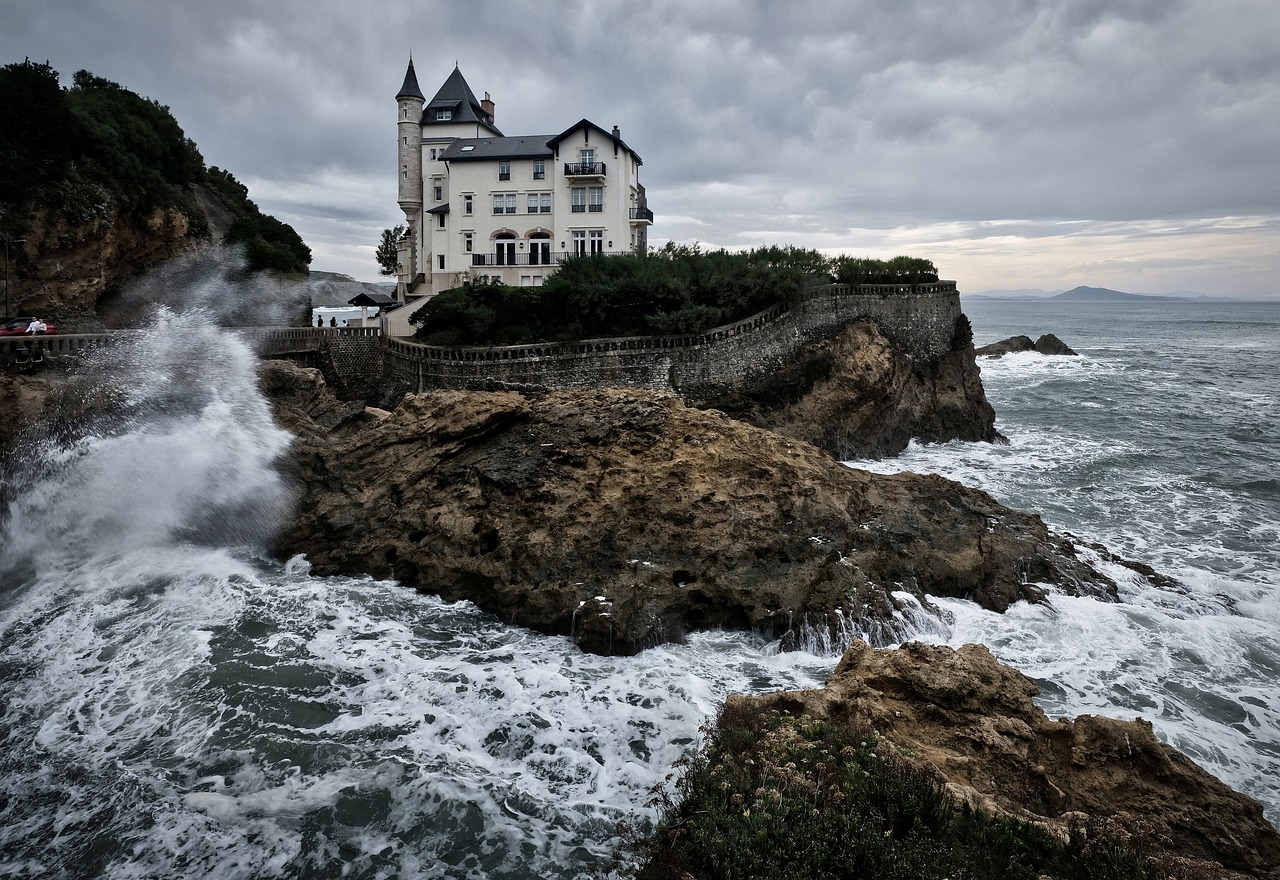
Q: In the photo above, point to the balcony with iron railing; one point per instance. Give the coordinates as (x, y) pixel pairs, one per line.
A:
(584, 169)
(641, 215)
(535, 258)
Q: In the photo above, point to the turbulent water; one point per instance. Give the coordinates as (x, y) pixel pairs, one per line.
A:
(174, 703)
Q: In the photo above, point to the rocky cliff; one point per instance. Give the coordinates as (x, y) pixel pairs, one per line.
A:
(970, 721)
(64, 270)
(624, 518)
(856, 395)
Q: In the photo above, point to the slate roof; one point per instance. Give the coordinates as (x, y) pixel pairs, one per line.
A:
(372, 299)
(410, 87)
(457, 96)
(490, 149)
(555, 140)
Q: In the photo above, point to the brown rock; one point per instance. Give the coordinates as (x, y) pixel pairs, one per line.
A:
(1046, 344)
(65, 270)
(971, 720)
(624, 518)
(856, 395)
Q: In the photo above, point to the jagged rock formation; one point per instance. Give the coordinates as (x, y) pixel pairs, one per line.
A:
(970, 721)
(624, 518)
(856, 395)
(1046, 344)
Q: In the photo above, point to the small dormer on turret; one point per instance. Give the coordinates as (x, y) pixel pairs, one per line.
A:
(409, 101)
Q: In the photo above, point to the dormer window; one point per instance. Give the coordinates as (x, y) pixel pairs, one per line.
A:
(444, 115)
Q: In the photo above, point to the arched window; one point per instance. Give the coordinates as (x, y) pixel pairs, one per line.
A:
(505, 245)
(540, 249)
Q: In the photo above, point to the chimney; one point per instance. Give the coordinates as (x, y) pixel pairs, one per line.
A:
(487, 104)
(616, 133)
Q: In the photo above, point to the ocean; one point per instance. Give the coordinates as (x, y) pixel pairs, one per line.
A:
(175, 703)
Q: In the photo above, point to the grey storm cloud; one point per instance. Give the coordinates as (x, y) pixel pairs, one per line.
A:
(825, 124)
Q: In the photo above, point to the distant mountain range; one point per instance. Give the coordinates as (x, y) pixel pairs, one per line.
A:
(1086, 294)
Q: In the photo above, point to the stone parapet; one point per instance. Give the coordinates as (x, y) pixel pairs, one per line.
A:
(920, 319)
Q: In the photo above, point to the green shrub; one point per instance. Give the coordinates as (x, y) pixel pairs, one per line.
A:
(676, 289)
(776, 796)
(97, 150)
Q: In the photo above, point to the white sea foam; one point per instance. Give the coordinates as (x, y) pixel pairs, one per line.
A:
(400, 723)
(173, 705)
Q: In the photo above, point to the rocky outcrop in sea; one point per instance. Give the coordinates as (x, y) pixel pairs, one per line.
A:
(1046, 344)
(624, 518)
(970, 722)
(856, 395)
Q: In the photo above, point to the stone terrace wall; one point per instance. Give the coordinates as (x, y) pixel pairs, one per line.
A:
(350, 357)
(921, 320)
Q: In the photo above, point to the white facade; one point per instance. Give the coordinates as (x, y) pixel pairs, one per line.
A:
(481, 204)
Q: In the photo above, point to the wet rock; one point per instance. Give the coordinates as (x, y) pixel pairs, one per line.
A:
(624, 518)
(1046, 344)
(856, 395)
(970, 721)
(1050, 344)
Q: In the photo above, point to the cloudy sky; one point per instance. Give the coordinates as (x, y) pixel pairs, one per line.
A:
(1132, 144)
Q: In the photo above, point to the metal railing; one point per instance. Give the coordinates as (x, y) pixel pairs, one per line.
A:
(527, 259)
(584, 169)
(642, 214)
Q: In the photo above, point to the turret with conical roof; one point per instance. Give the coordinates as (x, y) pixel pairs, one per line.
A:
(409, 101)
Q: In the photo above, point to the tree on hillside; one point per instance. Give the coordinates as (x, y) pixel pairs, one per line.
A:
(388, 250)
(37, 131)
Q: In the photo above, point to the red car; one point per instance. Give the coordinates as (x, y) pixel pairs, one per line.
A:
(18, 327)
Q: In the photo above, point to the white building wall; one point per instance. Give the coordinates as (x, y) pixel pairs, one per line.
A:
(438, 248)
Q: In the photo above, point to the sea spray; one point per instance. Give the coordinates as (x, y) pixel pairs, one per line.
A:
(180, 444)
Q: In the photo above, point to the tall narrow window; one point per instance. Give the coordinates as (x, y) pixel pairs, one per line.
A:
(540, 250)
(504, 170)
(579, 242)
(468, 242)
(539, 169)
(596, 199)
(597, 241)
(579, 200)
(437, 192)
(586, 158)
(506, 251)
(468, 205)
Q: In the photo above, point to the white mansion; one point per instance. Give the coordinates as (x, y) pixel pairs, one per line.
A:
(479, 203)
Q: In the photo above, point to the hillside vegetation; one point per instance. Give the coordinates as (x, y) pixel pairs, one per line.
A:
(676, 289)
(97, 151)
(778, 796)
